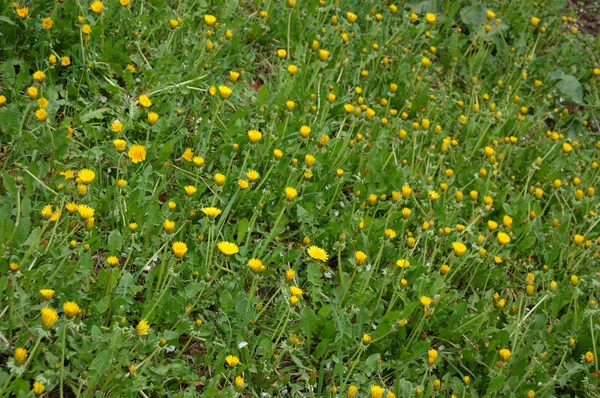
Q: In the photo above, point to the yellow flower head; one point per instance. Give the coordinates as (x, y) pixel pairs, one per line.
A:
(219, 178)
(86, 176)
(142, 328)
(20, 355)
(254, 136)
(179, 249)
(252, 175)
(49, 317)
(505, 354)
(145, 101)
(210, 19)
(97, 7)
(376, 391)
(71, 309)
(317, 253)
(224, 92)
(47, 23)
(403, 263)
(38, 388)
(425, 301)
(137, 153)
(120, 144)
(503, 238)
(190, 190)
(228, 248)
(47, 293)
(211, 212)
(360, 257)
(39, 76)
(290, 193)
(232, 360)
(459, 248)
(256, 265)
(85, 211)
(431, 356)
(295, 291)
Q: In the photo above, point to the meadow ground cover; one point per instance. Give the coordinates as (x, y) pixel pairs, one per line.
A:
(299, 198)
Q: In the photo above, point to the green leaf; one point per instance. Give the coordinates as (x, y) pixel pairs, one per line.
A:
(7, 20)
(242, 229)
(496, 384)
(9, 183)
(571, 88)
(115, 241)
(262, 95)
(474, 15)
(308, 322)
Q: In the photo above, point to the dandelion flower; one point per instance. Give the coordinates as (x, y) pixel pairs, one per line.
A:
(86, 176)
(210, 19)
(85, 211)
(71, 309)
(317, 253)
(39, 76)
(211, 212)
(360, 257)
(256, 265)
(49, 317)
(459, 248)
(431, 356)
(232, 360)
(38, 388)
(97, 7)
(137, 153)
(179, 249)
(219, 178)
(228, 248)
(295, 291)
(503, 238)
(224, 92)
(190, 190)
(145, 101)
(254, 136)
(47, 23)
(290, 193)
(376, 391)
(20, 355)
(47, 293)
(425, 301)
(120, 144)
(142, 328)
(505, 354)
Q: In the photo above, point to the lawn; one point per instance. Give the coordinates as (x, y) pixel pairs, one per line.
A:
(300, 198)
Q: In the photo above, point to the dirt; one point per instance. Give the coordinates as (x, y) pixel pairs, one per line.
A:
(588, 15)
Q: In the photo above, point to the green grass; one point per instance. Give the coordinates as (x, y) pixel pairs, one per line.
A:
(479, 127)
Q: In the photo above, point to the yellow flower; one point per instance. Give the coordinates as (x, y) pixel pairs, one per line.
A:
(211, 212)
(124, 3)
(277, 153)
(376, 391)
(120, 144)
(289, 274)
(430, 18)
(72, 207)
(32, 92)
(210, 19)
(168, 225)
(145, 101)
(243, 184)
(41, 114)
(20, 355)
(389, 233)
(431, 356)
(38, 388)
(47, 293)
(305, 131)
(152, 117)
(71, 309)
(47, 211)
(425, 301)
(232, 360)
(65, 61)
(254, 136)
(425, 62)
(534, 21)
(323, 55)
(85, 211)
(295, 291)
(112, 261)
(366, 338)
(503, 238)
(290, 193)
(239, 382)
(219, 178)
(190, 190)
(292, 69)
(142, 328)
(97, 7)
(505, 354)
(49, 317)
(459, 248)
(589, 357)
(360, 257)
(234, 76)
(317, 253)
(352, 391)
(137, 153)
(179, 249)
(228, 248)
(86, 176)
(224, 92)
(22, 12)
(281, 53)
(351, 16)
(47, 23)
(252, 175)
(86, 29)
(256, 265)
